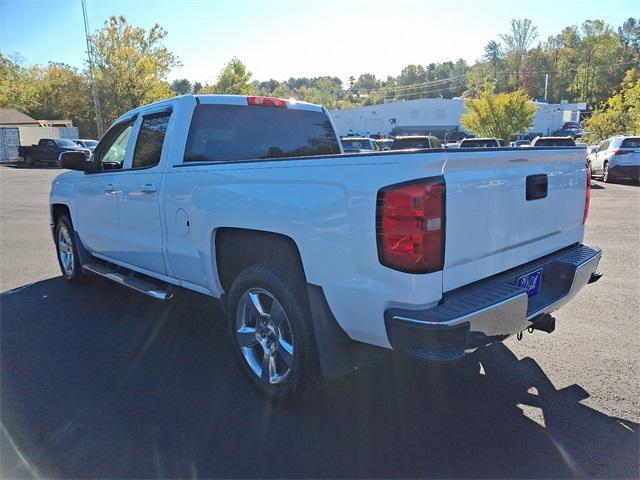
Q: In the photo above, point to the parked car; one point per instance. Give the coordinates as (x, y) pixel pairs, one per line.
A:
(553, 142)
(617, 158)
(520, 143)
(481, 143)
(318, 259)
(415, 141)
(384, 143)
(359, 144)
(48, 150)
(452, 145)
(569, 132)
(88, 144)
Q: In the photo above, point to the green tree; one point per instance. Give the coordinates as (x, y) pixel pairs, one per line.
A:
(493, 55)
(501, 115)
(518, 41)
(620, 114)
(181, 86)
(234, 79)
(131, 65)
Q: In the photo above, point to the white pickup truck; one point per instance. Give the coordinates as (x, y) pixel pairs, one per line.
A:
(319, 255)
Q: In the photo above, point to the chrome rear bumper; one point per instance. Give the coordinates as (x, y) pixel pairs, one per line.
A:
(493, 309)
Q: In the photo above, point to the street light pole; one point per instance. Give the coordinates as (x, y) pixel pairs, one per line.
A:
(96, 96)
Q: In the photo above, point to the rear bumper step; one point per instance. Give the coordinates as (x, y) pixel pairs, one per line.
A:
(494, 309)
(132, 282)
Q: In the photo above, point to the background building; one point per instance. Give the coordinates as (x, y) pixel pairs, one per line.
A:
(31, 130)
(439, 117)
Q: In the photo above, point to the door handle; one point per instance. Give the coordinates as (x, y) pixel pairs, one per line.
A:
(109, 188)
(148, 188)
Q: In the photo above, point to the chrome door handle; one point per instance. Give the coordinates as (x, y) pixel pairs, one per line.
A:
(109, 188)
(148, 188)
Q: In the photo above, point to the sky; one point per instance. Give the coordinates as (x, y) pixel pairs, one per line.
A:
(286, 38)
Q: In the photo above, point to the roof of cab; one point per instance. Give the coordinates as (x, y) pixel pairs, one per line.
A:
(218, 99)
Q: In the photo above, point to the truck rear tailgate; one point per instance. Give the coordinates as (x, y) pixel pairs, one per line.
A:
(498, 215)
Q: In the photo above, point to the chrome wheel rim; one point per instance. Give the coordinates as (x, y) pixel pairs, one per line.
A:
(65, 250)
(264, 335)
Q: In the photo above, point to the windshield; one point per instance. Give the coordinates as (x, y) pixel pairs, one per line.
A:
(633, 142)
(353, 145)
(65, 142)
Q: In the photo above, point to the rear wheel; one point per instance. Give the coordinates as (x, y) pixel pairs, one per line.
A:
(605, 173)
(68, 258)
(272, 334)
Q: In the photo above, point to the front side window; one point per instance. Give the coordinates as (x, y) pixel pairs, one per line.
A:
(221, 133)
(604, 146)
(150, 140)
(113, 148)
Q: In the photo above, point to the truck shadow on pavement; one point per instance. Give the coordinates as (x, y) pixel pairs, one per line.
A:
(97, 381)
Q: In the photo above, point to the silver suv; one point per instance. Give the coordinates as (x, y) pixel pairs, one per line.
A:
(617, 158)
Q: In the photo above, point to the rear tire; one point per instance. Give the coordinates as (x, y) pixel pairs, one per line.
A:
(271, 332)
(67, 250)
(605, 173)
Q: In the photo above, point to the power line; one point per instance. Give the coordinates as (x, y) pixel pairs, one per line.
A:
(495, 75)
(96, 95)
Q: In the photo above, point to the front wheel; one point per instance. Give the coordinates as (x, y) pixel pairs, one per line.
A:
(68, 258)
(28, 160)
(272, 334)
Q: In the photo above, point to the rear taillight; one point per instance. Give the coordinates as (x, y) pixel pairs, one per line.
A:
(410, 225)
(587, 198)
(267, 102)
(618, 152)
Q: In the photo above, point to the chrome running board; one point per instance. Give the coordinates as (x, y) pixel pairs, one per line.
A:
(134, 283)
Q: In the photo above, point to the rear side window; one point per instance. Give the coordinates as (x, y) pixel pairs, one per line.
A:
(555, 142)
(478, 143)
(150, 140)
(407, 143)
(221, 133)
(631, 143)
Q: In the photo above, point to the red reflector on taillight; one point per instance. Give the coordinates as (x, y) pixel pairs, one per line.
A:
(587, 198)
(410, 225)
(267, 102)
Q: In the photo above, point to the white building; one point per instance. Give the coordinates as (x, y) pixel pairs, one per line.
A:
(437, 116)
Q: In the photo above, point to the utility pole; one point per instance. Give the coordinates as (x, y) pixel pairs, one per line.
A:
(546, 84)
(94, 89)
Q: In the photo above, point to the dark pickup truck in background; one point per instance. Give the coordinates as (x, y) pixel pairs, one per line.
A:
(48, 150)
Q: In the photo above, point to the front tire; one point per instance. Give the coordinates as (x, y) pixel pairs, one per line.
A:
(67, 251)
(271, 331)
(28, 160)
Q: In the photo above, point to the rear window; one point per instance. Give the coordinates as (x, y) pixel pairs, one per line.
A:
(555, 142)
(220, 133)
(631, 143)
(478, 143)
(406, 143)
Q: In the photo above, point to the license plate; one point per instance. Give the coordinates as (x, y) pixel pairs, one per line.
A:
(530, 282)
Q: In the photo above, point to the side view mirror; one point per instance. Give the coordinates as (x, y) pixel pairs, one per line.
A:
(75, 160)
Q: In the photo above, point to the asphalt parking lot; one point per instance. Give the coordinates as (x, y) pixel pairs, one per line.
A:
(97, 381)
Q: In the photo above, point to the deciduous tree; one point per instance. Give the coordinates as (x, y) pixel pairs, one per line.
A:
(131, 65)
(501, 115)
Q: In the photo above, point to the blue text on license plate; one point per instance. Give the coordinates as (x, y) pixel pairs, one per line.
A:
(530, 282)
